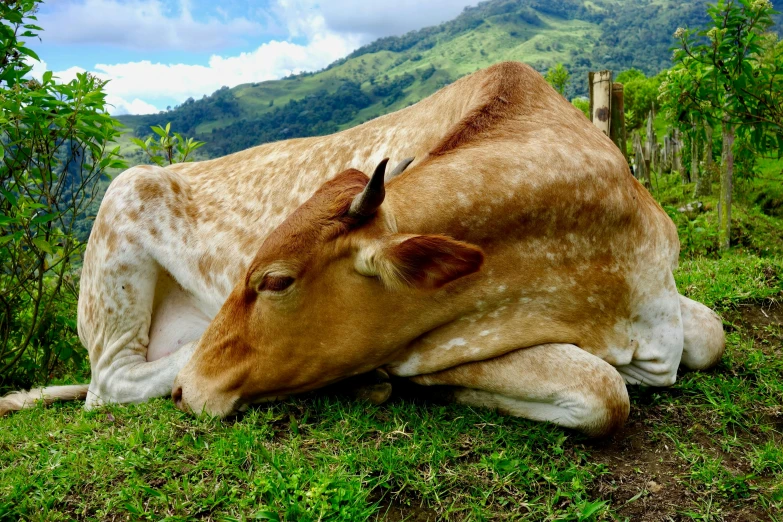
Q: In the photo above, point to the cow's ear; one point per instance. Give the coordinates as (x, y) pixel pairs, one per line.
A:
(419, 261)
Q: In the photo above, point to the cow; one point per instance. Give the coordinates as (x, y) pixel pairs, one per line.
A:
(516, 262)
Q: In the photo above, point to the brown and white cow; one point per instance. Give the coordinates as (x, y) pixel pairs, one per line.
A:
(517, 260)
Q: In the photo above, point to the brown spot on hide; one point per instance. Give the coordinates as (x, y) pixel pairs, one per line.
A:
(148, 190)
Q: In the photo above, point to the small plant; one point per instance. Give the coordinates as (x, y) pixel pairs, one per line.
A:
(583, 104)
(168, 148)
(558, 77)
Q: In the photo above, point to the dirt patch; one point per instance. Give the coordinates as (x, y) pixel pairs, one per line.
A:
(644, 475)
(395, 511)
(762, 321)
(759, 315)
(647, 480)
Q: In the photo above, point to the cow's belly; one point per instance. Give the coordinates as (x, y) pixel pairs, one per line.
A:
(176, 320)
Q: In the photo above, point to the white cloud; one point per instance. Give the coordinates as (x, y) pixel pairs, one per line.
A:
(38, 68)
(139, 24)
(367, 18)
(120, 106)
(331, 30)
(145, 81)
(117, 105)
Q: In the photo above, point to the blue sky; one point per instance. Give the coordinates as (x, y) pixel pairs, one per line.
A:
(157, 53)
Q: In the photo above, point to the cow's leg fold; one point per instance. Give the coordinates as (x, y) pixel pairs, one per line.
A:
(134, 379)
(131, 309)
(558, 383)
(704, 340)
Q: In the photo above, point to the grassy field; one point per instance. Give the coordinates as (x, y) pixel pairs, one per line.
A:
(708, 448)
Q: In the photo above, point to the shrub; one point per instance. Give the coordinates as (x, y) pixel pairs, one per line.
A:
(55, 139)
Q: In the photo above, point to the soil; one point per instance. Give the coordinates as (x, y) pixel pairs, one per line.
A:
(647, 480)
(394, 511)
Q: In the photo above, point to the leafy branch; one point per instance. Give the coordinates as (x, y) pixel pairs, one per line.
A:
(168, 148)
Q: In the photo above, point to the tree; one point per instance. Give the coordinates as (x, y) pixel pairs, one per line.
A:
(640, 95)
(56, 141)
(558, 77)
(730, 73)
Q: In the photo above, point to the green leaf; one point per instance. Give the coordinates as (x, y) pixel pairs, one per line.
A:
(9, 196)
(591, 508)
(40, 220)
(28, 52)
(42, 244)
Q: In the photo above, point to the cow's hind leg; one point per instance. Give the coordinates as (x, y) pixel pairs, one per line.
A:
(704, 340)
(138, 248)
(558, 383)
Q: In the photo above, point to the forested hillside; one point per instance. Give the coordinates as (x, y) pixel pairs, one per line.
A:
(394, 72)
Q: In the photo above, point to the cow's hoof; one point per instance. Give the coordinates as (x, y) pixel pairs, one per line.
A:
(375, 393)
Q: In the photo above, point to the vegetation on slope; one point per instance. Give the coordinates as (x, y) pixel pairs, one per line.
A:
(394, 72)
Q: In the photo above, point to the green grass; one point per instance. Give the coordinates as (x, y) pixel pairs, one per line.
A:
(708, 448)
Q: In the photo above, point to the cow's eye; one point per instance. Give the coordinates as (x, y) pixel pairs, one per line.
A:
(276, 283)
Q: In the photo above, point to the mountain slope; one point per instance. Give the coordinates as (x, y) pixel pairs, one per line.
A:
(394, 72)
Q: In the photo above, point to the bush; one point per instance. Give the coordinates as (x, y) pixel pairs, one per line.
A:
(55, 140)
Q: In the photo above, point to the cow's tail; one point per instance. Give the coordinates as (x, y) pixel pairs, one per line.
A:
(21, 400)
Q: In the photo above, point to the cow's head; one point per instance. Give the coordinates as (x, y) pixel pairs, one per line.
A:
(332, 292)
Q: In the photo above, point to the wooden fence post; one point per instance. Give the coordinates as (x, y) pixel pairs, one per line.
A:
(601, 99)
(666, 154)
(677, 153)
(642, 167)
(651, 145)
(617, 119)
(694, 151)
(704, 183)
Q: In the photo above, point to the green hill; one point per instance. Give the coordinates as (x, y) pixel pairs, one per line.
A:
(394, 72)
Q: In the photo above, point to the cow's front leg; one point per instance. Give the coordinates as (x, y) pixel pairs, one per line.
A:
(133, 379)
(558, 383)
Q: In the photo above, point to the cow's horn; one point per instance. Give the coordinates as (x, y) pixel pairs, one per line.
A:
(399, 169)
(368, 200)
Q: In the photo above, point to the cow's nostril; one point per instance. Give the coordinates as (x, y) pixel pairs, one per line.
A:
(176, 396)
